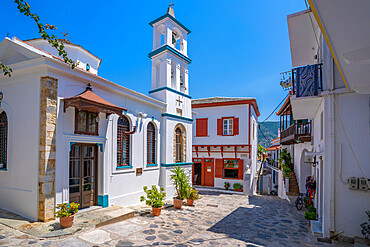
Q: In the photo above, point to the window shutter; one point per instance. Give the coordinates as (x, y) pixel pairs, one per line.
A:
(201, 127)
(219, 127)
(241, 166)
(219, 171)
(236, 126)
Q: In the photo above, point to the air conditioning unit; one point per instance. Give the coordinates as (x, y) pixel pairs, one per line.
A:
(363, 184)
(309, 159)
(353, 183)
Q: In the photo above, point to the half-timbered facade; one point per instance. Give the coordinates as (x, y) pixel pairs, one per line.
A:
(225, 141)
(72, 136)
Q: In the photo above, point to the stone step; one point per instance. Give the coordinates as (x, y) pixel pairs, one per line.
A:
(116, 216)
(291, 193)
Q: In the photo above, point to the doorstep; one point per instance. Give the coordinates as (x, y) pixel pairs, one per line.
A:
(209, 188)
(88, 218)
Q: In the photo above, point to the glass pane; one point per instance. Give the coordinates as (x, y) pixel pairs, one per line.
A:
(231, 164)
(230, 173)
(74, 189)
(88, 187)
(92, 122)
(74, 181)
(81, 121)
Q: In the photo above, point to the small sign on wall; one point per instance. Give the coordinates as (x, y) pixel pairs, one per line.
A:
(139, 171)
(209, 169)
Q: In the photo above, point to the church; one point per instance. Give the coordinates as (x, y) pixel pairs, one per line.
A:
(72, 136)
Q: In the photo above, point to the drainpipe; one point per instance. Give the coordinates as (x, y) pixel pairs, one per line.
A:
(332, 162)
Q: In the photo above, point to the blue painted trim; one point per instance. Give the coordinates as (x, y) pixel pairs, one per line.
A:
(170, 89)
(178, 117)
(3, 169)
(177, 164)
(169, 48)
(103, 201)
(100, 145)
(125, 112)
(148, 165)
(123, 167)
(173, 19)
(70, 145)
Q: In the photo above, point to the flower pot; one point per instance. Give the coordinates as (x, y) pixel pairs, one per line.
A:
(156, 211)
(66, 222)
(240, 190)
(190, 202)
(177, 203)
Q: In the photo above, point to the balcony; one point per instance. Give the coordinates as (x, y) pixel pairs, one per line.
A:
(296, 133)
(307, 80)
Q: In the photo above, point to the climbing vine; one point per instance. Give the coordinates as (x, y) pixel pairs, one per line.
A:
(285, 161)
(25, 9)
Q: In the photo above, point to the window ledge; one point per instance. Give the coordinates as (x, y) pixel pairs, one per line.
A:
(124, 167)
(151, 165)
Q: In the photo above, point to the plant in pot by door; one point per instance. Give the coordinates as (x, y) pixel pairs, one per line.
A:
(154, 198)
(238, 187)
(66, 213)
(310, 214)
(227, 185)
(180, 181)
(191, 196)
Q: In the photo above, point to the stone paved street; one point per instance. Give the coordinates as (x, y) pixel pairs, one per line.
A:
(216, 220)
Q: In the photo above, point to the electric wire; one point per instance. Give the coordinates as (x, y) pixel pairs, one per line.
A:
(335, 103)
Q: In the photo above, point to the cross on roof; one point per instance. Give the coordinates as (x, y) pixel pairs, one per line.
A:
(171, 4)
(65, 34)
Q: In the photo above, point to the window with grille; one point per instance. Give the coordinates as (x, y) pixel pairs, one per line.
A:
(179, 155)
(3, 140)
(151, 144)
(123, 142)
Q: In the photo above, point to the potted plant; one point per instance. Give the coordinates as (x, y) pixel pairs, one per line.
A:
(191, 196)
(66, 213)
(154, 198)
(238, 187)
(227, 185)
(181, 182)
(310, 214)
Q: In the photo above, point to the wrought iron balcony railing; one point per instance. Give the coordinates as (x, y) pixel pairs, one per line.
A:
(296, 133)
(307, 80)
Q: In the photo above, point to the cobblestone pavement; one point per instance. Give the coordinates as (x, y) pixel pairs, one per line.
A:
(216, 220)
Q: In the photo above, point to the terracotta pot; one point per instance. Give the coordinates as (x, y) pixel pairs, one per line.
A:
(240, 190)
(156, 211)
(190, 202)
(66, 222)
(177, 203)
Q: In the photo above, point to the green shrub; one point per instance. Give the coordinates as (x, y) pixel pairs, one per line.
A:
(305, 200)
(310, 215)
(192, 194)
(227, 185)
(181, 181)
(66, 209)
(154, 197)
(237, 186)
(311, 208)
(366, 226)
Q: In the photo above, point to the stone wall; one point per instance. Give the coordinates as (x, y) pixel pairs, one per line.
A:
(47, 147)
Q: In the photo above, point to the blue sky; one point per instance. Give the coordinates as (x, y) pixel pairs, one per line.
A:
(238, 47)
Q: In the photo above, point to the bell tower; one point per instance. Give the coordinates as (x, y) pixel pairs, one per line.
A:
(169, 58)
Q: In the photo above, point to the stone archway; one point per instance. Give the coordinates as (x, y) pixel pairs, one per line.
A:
(179, 128)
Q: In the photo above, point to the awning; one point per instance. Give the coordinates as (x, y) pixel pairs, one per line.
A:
(345, 26)
(89, 101)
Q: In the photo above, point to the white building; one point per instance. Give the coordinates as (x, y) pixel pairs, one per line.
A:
(331, 89)
(225, 141)
(72, 136)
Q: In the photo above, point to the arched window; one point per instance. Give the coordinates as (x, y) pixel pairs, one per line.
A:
(3, 140)
(178, 134)
(150, 144)
(123, 142)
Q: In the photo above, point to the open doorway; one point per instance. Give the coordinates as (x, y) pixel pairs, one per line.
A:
(197, 178)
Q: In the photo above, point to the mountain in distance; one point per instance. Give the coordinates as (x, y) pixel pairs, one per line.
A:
(270, 130)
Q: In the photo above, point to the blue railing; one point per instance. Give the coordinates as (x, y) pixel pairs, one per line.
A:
(307, 80)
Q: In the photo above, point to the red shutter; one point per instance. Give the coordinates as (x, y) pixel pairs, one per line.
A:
(236, 126)
(240, 168)
(219, 127)
(202, 127)
(219, 169)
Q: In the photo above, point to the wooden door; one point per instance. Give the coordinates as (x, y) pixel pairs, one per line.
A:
(82, 174)
(209, 172)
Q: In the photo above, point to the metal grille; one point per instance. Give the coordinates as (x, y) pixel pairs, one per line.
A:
(151, 144)
(178, 145)
(123, 142)
(3, 139)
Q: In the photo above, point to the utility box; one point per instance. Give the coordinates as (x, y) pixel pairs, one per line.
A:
(353, 183)
(363, 184)
(308, 159)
